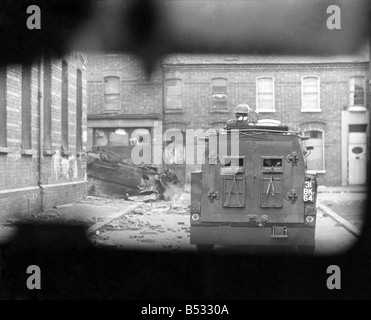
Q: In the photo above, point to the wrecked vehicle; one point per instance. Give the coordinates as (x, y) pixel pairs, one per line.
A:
(110, 174)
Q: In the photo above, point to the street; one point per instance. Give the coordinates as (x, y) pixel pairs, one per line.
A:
(164, 225)
(160, 227)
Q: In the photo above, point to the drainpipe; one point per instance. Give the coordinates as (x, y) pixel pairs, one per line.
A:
(41, 133)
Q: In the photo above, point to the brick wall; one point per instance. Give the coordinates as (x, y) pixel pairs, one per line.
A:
(334, 97)
(63, 176)
(138, 95)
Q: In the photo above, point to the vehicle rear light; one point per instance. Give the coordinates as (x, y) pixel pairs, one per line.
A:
(310, 221)
(195, 217)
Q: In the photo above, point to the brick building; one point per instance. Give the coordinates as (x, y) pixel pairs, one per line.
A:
(326, 98)
(123, 104)
(42, 134)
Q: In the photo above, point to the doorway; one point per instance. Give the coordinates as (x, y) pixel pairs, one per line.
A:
(357, 151)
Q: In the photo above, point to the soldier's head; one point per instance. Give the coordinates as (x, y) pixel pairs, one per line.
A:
(242, 110)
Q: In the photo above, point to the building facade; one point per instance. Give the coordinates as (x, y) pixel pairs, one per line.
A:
(123, 103)
(43, 134)
(326, 98)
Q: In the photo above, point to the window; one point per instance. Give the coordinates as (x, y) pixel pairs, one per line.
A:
(119, 138)
(233, 165)
(265, 94)
(219, 95)
(112, 93)
(310, 94)
(47, 103)
(272, 164)
(315, 160)
(111, 137)
(173, 91)
(26, 106)
(3, 113)
(357, 92)
(78, 111)
(64, 122)
(357, 128)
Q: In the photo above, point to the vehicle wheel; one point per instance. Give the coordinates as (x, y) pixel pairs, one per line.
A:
(306, 250)
(204, 247)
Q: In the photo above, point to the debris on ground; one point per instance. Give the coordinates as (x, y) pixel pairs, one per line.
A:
(155, 224)
(158, 225)
(114, 226)
(138, 211)
(49, 215)
(62, 206)
(10, 223)
(144, 198)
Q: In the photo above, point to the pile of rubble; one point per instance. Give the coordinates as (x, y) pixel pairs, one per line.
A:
(160, 207)
(161, 224)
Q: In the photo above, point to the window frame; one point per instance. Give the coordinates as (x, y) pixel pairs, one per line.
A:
(356, 107)
(167, 109)
(303, 109)
(212, 92)
(65, 107)
(3, 109)
(273, 95)
(26, 106)
(79, 111)
(47, 105)
(115, 94)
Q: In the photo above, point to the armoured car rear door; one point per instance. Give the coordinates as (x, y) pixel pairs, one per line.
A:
(227, 187)
(273, 180)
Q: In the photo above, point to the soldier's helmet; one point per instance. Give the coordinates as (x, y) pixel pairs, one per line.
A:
(242, 110)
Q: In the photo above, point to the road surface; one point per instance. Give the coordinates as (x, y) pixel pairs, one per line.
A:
(165, 225)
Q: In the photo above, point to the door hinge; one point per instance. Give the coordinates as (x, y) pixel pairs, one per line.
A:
(213, 195)
(292, 158)
(291, 196)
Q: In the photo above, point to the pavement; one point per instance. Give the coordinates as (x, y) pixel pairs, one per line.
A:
(90, 211)
(331, 237)
(342, 189)
(339, 217)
